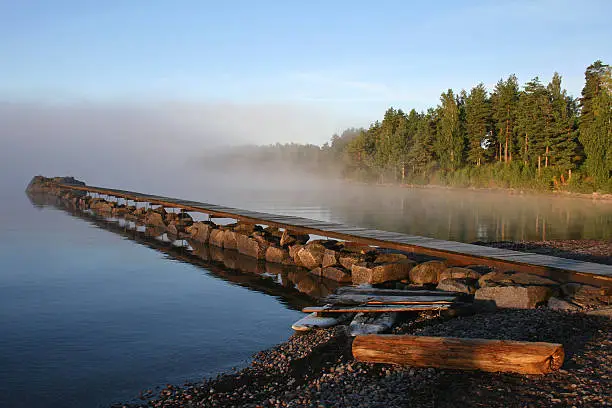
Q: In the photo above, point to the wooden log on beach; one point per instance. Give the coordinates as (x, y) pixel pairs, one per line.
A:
(458, 353)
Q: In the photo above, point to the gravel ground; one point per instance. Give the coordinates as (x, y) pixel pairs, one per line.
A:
(580, 249)
(316, 370)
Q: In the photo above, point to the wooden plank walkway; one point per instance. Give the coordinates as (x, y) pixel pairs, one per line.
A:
(457, 253)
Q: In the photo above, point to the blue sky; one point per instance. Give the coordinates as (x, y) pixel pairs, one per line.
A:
(349, 59)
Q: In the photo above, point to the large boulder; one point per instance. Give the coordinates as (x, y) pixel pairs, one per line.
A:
(389, 257)
(348, 259)
(514, 278)
(330, 258)
(337, 274)
(517, 297)
(172, 230)
(102, 206)
(357, 248)
(555, 303)
(229, 239)
(161, 211)
(371, 273)
(294, 251)
(427, 272)
(245, 228)
(460, 285)
(311, 255)
(278, 255)
(586, 295)
(251, 247)
(68, 180)
(459, 273)
(154, 219)
(200, 231)
(217, 237)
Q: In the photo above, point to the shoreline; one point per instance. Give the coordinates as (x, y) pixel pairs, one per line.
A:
(600, 197)
(316, 368)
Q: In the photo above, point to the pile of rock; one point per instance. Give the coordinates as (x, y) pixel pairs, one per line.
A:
(343, 262)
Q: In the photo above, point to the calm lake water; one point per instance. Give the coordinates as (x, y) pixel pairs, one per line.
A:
(90, 316)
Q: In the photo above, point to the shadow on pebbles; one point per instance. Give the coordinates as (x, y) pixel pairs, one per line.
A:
(316, 369)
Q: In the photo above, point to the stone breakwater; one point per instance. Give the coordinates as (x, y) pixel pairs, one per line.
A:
(341, 261)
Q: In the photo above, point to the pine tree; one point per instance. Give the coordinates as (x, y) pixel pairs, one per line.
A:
(563, 131)
(531, 122)
(504, 102)
(421, 154)
(477, 123)
(449, 141)
(594, 125)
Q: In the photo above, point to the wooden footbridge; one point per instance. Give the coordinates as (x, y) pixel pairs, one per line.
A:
(456, 253)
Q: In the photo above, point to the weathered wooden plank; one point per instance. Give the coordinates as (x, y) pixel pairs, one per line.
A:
(455, 253)
(457, 353)
(359, 299)
(374, 308)
(391, 292)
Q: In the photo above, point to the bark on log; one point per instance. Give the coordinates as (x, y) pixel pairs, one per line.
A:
(459, 353)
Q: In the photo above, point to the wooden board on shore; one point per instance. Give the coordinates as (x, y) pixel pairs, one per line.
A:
(374, 308)
(388, 300)
(355, 290)
(457, 353)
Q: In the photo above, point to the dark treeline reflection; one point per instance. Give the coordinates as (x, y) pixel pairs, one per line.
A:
(293, 286)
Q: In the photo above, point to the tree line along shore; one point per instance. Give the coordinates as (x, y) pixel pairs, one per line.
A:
(533, 136)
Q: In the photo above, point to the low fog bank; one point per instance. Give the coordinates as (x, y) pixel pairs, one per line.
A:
(157, 148)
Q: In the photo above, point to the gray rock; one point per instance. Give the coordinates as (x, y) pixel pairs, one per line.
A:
(519, 297)
(555, 303)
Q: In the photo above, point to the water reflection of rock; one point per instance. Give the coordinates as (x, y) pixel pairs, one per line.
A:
(294, 286)
(286, 276)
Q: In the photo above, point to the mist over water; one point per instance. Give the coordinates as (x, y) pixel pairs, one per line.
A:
(89, 317)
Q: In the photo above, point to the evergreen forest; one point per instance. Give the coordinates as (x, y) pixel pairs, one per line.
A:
(530, 136)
